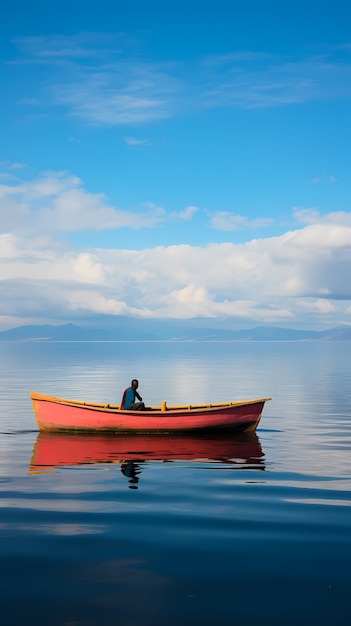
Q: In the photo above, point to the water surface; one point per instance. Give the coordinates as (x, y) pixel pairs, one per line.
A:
(194, 530)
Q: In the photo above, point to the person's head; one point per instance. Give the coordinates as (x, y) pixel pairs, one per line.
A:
(135, 383)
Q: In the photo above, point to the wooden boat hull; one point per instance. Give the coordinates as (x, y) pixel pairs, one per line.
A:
(54, 450)
(58, 414)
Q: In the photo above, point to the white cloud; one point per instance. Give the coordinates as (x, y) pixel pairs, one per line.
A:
(18, 166)
(306, 216)
(8, 246)
(224, 220)
(101, 79)
(134, 141)
(87, 268)
(100, 104)
(324, 178)
(313, 216)
(186, 214)
(318, 306)
(249, 81)
(13, 166)
(324, 236)
(58, 48)
(57, 201)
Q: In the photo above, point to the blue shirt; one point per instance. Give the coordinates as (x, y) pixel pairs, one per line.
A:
(130, 398)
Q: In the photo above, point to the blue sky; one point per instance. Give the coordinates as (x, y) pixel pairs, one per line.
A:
(175, 159)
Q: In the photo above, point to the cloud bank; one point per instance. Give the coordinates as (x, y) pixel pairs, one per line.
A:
(299, 277)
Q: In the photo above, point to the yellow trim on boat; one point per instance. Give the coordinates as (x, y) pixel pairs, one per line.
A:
(164, 407)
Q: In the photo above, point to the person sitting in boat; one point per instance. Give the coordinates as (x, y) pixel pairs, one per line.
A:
(128, 401)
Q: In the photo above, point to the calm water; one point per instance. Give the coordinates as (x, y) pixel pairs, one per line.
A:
(231, 530)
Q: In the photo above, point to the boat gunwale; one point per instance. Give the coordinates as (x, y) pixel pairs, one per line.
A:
(113, 409)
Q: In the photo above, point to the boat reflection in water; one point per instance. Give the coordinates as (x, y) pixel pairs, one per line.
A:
(55, 450)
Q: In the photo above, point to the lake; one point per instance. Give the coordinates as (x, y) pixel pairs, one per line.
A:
(246, 530)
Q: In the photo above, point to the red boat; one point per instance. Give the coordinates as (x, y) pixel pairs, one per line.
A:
(58, 414)
(53, 450)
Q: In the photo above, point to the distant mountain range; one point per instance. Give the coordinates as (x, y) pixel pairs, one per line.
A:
(128, 329)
